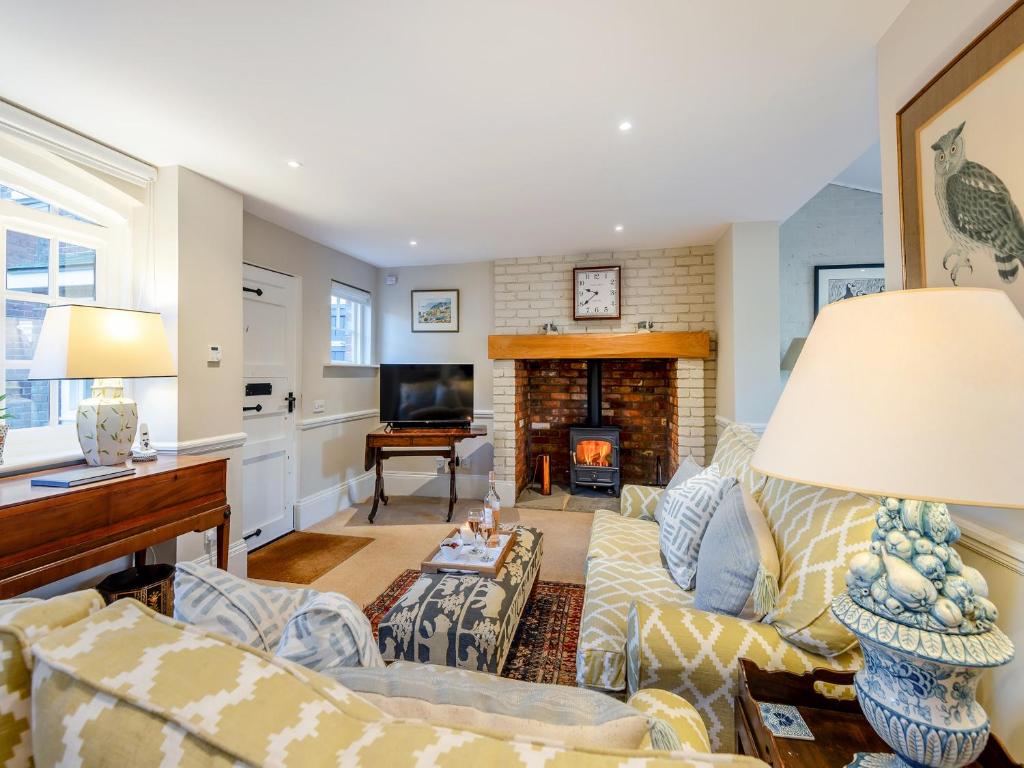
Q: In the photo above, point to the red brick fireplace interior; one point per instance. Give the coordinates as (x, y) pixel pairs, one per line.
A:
(636, 395)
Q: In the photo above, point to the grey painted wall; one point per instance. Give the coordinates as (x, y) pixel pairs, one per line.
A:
(839, 225)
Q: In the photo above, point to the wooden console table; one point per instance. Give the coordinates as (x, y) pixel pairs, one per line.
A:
(839, 727)
(382, 444)
(49, 533)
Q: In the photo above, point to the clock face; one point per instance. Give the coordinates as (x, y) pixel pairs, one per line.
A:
(596, 293)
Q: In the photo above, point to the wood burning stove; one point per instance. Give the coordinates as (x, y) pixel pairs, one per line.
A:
(594, 447)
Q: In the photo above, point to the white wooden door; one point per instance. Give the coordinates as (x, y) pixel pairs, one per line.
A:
(270, 316)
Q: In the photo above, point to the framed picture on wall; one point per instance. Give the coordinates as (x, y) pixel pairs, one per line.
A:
(961, 163)
(834, 283)
(435, 311)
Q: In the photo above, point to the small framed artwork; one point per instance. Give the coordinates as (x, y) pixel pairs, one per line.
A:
(435, 311)
(596, 293)
(844, 281)
(961, 163)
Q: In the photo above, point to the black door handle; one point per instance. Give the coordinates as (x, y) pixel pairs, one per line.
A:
(256, 408)
(257, 291)
(291, 401)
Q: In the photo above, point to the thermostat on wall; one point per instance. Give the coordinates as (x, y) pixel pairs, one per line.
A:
(213, 356)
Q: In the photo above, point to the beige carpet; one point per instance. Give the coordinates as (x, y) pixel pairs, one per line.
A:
(409, 527)
(302, 557)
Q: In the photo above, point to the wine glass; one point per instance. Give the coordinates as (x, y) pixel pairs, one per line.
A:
(475, 518)
(486, 529)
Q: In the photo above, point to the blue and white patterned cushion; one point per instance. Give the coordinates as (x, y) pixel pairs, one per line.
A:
(685, 517)
(218, 601)
(688, 470)
(328, 632)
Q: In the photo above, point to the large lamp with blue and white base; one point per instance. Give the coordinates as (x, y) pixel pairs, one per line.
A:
(916, 398)
(105, 345)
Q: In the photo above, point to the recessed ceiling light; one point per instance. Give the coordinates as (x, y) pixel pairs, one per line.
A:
(413, 243)
(618, 227)
(625, 125)
(294, 164)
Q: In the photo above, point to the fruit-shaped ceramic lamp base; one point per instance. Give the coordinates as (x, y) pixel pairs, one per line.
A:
(107, 423)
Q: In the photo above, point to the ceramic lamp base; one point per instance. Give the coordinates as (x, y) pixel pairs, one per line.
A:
(106, 424)
(878, 760)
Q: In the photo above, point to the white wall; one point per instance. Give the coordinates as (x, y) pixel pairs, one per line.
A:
(398, 344)
(331, 473)
(925, 37)
(839, 225)
(747, 319)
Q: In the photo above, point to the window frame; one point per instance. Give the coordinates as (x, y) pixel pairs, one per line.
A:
(57, 229)
(362, 333)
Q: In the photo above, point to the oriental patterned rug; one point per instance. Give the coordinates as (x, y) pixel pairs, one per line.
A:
(544, 648)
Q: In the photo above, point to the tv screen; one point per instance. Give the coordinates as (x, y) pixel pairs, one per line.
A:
(426, 393)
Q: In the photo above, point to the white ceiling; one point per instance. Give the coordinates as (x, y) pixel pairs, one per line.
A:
(865, 172)
(481, 129)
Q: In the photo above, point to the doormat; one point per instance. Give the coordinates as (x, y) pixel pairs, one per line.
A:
(301, 557)
(544, 648)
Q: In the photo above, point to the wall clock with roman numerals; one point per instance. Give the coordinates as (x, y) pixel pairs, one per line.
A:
(596, 293)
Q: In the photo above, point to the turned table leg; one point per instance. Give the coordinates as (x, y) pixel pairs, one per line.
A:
(378, 489)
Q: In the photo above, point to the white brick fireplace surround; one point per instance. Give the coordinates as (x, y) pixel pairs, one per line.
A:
(672, 287)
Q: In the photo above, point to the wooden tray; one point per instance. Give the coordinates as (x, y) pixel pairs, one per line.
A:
(434, 563)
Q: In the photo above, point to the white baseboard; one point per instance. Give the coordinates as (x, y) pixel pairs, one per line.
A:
(238, 555)
(312, 509)
(506, 491)
(402, 483)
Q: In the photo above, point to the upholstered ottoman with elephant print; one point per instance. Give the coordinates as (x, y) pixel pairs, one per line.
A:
(460, 620)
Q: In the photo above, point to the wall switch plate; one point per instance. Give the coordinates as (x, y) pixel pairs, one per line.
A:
(213, 354)
(318, 406)
(208, 542)
(441, 469)
(540, 425)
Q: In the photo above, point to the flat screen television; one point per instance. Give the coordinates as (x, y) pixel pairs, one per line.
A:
(425, 394)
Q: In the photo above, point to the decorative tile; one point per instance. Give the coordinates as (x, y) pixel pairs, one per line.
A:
(785, 720)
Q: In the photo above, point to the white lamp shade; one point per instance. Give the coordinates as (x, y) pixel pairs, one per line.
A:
(913, 394)
(81, 342)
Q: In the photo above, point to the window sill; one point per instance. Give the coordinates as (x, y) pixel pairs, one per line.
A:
(32, 463)
(351, 365)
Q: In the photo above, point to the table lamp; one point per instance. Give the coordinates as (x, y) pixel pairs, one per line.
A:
(917, 398)
(107, 346)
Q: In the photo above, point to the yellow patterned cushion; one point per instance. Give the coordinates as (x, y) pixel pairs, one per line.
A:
(612, 586)
(680, 714)
(696, 655)
(22, 622)
(735, 448)
(639, 501)
(816, 531)
(129, 687)
(613, 537)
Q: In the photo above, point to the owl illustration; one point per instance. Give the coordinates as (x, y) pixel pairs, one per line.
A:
(977, 211)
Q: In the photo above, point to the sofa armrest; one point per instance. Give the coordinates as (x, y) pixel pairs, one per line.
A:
(677, 713)
(696, 655)
(639, 501)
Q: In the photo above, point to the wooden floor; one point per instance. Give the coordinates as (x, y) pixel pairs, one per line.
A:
(409, 527)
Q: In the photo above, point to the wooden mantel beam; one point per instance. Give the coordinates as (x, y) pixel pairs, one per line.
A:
(584, 346)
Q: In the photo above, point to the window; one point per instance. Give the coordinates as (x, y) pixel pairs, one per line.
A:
(351, 320)
(50, 255)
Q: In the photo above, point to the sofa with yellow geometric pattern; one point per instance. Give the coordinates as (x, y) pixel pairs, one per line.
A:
(640, 630)
(88, 685)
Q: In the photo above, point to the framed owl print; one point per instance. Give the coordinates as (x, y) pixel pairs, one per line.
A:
(961, 156)
(596, 293)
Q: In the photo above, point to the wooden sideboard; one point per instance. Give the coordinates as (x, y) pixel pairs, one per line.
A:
(49, 533)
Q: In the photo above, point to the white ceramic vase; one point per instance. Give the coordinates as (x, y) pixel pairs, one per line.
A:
(106, 424)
